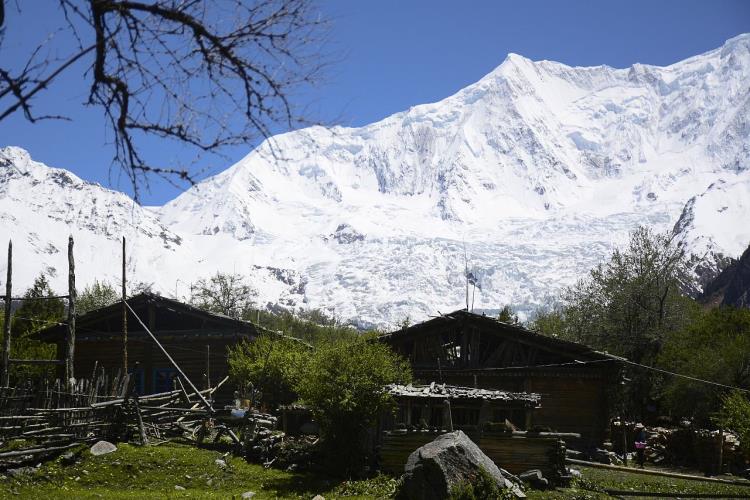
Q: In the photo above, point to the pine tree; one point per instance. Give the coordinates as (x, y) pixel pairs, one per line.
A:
(36, 312)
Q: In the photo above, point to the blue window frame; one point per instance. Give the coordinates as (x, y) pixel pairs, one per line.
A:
(163, 379)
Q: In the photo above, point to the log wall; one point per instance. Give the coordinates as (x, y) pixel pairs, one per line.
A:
(515, 453)
(572, 400)
(154, 367)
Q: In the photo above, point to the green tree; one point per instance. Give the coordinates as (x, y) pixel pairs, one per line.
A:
(268, 368)
(549, 321)
(343, 385)
(630, 304)
(96, 295)
(37, 311)
(508, 315)
(224, 293)
(735, 416)
(314, 326)
(715, 347)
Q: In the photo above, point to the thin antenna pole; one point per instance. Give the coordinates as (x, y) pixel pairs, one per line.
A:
(124, 315)
(466, 275)
(6, 326)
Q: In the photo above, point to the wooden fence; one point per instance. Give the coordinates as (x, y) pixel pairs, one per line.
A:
(44, 419)
(45, 394)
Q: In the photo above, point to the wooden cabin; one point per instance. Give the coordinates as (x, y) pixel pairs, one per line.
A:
(467, 349)
(197, 341)
(425, 412)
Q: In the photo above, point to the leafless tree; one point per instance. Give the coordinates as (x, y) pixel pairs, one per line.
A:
(206, 73)
(224, 293)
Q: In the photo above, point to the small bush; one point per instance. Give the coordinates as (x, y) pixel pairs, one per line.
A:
(482, 487)
(380, 486)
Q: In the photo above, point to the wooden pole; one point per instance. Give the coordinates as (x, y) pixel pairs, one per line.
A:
(652, 472)
(139, 416)
(6, 326)
(208, 366)
(70, 354)
(124, 315)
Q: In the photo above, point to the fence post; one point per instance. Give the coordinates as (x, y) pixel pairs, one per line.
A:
(124, 315)
(6, 327)
(71, 340)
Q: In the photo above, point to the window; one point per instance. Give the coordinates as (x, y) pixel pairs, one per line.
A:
(163, 379)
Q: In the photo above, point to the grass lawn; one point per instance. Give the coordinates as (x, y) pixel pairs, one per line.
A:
(595, 482)
(154, 471)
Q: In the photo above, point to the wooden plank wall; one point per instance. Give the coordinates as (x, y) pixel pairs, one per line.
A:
(571, 402)
(516, 454)
(190, 355)
(571, 405)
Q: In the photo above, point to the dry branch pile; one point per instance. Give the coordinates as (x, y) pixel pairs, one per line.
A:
(40, 421)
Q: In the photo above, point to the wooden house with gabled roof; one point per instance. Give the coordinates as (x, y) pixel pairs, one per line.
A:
(196, 339)
(473, 350)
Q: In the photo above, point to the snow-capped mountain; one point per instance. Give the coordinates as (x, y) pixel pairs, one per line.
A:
(532, 175)
(41, 206)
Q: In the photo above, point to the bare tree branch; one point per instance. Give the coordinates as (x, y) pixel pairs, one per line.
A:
(205, 73)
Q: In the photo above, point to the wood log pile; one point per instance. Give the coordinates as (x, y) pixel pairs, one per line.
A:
(260, 440)
(37, 421)
(711, 451)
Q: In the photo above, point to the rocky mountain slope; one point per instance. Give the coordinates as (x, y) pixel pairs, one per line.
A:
(530, 176)
(732, 286)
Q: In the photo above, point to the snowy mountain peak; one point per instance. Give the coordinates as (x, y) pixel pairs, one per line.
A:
(14, 156)
(534, 173)
(16, 163)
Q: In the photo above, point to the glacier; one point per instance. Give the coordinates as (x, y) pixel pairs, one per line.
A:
(529, 177)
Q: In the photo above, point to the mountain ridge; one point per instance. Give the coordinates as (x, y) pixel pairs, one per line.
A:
(535, 173)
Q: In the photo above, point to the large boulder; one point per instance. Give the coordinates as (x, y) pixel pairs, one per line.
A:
(433, 470)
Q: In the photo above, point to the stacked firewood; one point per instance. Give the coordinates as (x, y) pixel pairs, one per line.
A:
(712, 451)
(260, 439)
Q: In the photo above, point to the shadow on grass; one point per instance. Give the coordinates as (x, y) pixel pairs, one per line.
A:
(304, 484)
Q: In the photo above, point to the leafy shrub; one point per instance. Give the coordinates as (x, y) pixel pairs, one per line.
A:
(481, 487)
(735, 416)
(380, 486)
(268, 368)
(343, 386)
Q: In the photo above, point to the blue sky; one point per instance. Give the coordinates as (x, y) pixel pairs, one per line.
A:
(389, 55)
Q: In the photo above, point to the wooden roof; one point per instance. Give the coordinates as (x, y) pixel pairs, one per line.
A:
(171, 316)
(499, 328)
(443, 391)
